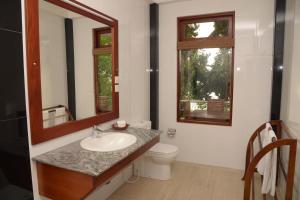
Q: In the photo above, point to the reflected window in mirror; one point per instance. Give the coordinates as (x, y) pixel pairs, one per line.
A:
(103, 69)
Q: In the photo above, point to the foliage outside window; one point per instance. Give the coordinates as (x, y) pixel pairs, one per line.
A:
(103, 69)
(205, 68)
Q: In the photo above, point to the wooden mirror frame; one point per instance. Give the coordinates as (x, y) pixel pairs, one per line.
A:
(38, 132)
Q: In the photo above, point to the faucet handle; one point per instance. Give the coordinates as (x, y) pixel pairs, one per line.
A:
(95, 131)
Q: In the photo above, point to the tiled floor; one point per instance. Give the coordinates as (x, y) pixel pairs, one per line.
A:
(189, 182)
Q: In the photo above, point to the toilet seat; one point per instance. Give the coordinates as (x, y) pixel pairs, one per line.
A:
(163, 150)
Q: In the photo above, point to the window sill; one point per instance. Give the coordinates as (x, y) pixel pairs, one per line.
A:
(206, 121)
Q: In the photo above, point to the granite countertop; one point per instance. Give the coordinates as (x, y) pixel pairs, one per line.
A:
(74, 157)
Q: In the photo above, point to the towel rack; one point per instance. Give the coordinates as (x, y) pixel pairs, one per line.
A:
(52, 109)
(252, 160)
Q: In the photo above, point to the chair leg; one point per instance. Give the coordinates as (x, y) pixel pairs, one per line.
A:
(247, 161)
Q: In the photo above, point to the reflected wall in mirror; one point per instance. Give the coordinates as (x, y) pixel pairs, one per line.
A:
(77, 58)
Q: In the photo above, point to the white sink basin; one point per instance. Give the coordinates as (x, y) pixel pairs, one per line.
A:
(110, 141)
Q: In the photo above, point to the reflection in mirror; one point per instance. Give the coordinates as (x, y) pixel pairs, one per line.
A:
(76, 64)
(103, 69)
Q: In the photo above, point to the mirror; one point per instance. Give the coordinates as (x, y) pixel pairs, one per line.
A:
(76, 65)
(78, 74)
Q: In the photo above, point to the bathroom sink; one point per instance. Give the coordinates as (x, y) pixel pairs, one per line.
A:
(110, 141)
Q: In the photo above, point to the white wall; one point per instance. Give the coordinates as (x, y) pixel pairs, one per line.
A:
(220, 145)
(133, 17)
(290, 109)
(53, 60)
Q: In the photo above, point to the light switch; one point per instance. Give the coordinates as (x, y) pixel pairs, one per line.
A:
(116, 88)
(116, 79)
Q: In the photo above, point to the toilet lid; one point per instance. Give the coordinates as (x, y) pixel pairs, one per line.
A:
(163, 148)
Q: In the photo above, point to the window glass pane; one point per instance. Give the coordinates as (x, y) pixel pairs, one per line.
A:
(104, 84)
(105, 39)
(217, 28)
(205, 83)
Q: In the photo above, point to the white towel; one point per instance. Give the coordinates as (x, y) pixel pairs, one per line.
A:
(48, 118)
(60, 115)
(268, 164)
(265, 131)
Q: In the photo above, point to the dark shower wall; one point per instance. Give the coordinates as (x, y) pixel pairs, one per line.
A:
(15, 174)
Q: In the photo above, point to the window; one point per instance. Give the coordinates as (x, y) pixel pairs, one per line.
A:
(103, 70)
(205, 68)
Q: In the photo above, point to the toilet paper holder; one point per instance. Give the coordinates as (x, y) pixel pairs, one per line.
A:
(171, 132)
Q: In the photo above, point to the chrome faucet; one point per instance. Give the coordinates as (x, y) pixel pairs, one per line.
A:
(97, 132)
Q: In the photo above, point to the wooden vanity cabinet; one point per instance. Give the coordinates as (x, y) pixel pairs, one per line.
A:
(63, 184)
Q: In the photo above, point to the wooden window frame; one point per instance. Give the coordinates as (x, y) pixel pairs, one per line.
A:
(98, 50)
(40, 134)
(100, 31)
(208, 42)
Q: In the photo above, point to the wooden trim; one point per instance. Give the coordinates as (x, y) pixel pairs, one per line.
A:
(115, 63)
(232, 63)
(206, 121)
(97, 32)
(33, 67)
(102, 30)
(106, 50)
(94, 10)
(209, 18)
(182, 21)
(95, 42)
(58, 183)
(82, 12)
(38, 133)
(204, 16)
(102, 50)
(211, 42)
(206, 43)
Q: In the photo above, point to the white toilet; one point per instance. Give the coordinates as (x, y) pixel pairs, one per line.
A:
(157, 162)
